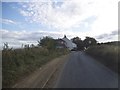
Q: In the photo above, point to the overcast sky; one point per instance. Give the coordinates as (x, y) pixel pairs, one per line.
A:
(26, 22)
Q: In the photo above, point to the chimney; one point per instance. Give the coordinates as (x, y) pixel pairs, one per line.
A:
(64, 36)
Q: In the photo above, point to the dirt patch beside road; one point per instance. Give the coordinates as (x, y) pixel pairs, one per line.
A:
(46, 76)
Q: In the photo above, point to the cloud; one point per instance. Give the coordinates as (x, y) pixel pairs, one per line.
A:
(108, 37)
(7, 21)
(34, 36)
(17, 38)
(114, 33)
(76, 17)
(24, 13)
(66, 15)
(95, 18)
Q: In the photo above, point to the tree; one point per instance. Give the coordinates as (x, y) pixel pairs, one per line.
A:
(47, 42)
(78, 42)
(32, 45)
(6, 47)
(75, 40)
(89, 41)
(80, 45)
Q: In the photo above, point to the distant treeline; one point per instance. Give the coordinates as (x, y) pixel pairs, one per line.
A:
(90, 41)
(83, 44)
(110, 43)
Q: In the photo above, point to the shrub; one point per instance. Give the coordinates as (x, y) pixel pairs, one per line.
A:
(106, 54)
(20, 62)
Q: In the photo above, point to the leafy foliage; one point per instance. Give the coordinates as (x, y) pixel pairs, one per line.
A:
(6, 47)
(47, 42)
(81, 44)
(78, 42)
(89, 41)
(21, 62)
(106, 54)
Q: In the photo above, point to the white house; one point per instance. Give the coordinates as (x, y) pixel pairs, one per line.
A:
(68, 43)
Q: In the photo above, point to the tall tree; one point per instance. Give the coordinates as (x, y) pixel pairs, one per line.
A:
(75, 40)
(47, 42)
(78, 42)
(89, 41)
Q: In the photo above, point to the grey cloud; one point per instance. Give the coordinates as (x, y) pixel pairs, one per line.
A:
(107, 36)
(102, 36)
(30, 37)
(114, 33)
(18, 38)
(37, 35)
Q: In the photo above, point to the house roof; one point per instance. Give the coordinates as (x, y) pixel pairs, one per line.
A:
(69, 43)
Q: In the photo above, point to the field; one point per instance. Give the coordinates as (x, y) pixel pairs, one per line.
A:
(106, 54)
(19, 63)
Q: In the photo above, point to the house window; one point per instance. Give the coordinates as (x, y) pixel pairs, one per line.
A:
(62, 42)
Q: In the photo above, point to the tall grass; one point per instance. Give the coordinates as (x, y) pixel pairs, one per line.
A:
(21, 62)
(106, 54)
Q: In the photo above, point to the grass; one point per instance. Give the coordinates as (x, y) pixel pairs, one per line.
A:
(107, 55)
(21, 62)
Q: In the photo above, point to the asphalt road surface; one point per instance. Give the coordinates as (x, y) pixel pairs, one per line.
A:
(82, 71)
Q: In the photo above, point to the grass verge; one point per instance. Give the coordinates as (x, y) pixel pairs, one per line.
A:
(107, 55)
(19, 63)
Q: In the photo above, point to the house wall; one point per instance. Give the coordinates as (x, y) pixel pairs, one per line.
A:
(60, 43)
(69, 44)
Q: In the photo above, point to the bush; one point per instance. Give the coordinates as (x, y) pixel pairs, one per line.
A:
(20, 62)
(106, 54)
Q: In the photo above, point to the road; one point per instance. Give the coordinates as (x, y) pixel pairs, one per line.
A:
(82, 71)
